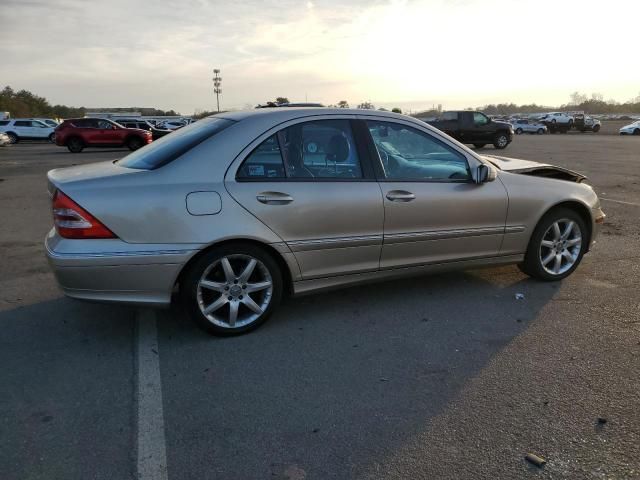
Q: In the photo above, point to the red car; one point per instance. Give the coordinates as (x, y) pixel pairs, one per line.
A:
(78, 133)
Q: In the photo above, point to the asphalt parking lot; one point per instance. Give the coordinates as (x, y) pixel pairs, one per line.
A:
(448, 376)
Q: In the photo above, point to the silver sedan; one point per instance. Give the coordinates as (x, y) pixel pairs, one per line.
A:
(238, 210)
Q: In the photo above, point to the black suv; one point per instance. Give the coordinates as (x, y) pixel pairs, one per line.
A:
(474, 127)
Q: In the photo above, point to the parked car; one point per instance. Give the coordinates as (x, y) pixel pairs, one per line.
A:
(79, 133)
(631, 129)
(474, 127)
(26, 129)
(47, 121)
(156, 133)
(234, 213)
(585, 123)
(526, 126)
(171, 124)
(4, 139)
(557, 117)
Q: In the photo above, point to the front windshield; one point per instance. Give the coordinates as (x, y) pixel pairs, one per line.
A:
(171, 146)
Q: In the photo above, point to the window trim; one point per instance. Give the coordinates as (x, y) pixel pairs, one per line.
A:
(379, 169)
(366, 163)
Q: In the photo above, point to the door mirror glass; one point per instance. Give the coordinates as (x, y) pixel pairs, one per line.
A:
(482, 174)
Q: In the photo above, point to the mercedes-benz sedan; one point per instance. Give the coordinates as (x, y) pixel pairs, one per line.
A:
(240, 209)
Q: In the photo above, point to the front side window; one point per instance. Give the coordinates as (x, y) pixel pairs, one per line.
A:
(449, 116)
(105, 124)
(480, 118)
(410, 154)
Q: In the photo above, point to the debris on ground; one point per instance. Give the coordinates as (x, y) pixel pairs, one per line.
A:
(602, 420)
(519, 296)
(535, 459)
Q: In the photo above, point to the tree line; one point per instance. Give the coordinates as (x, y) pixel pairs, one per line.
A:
(23, 104)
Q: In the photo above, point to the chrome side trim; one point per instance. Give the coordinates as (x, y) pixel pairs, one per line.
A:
(155, 253)
(328, 243)
(441, 234)
(514, 229)
(317, 284)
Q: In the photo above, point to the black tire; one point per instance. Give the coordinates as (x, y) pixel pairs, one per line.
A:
(532, 264)
(134, 143)
(192, 277)
(596, 128)
(518, 131)
(540, 131)
(75, 145)
(636, 131)
(52, 138)
(479, 145)
(501, 141)
(553, 120)
(13, 138)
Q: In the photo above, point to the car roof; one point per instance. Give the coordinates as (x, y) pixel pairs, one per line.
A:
(290, 113)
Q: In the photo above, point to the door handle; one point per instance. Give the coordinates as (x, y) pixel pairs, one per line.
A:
(274, 198)
(400, 196)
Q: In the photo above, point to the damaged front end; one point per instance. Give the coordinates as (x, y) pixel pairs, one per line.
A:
(535, 169)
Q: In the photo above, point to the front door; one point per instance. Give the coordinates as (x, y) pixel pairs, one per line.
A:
(309, 184)
(434, 212)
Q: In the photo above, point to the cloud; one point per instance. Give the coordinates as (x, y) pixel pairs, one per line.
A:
(121, 53)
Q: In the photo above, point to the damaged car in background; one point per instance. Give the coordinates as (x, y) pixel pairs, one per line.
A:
(238, 210)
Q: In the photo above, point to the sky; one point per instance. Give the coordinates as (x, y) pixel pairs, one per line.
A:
(410, 54)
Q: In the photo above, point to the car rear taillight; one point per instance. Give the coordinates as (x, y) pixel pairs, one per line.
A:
(73, 221)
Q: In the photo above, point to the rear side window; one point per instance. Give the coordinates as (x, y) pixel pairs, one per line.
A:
(170, 147)
(264, 162)
(449, 116)
(85, 123)
(22, 123)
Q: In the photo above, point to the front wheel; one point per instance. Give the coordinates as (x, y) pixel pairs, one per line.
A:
(13, 138)
(479, 145)
(636, 131)
(52, 138)
(596, 128)
(518, 131)
(541, 131)
(501, 141)
(232, 289)
(556, 246)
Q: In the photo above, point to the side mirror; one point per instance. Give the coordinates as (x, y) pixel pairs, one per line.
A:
(482, 174)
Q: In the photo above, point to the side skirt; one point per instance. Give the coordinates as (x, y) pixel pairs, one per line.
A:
(318, 284)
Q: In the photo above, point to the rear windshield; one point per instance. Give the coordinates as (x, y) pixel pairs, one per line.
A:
(171, 146)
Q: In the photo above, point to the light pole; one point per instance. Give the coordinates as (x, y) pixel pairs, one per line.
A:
(217, 81)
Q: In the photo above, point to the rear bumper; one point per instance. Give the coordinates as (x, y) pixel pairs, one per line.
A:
(115, 271)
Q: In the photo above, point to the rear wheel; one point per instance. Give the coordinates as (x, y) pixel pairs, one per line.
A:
(75, 145)
(541, 131)
(518, 131)
(52, 138)
(479, 145)
(13, 138)
(134, 143)
(501, 141)
(232, 289)
(556, 246)
(636, 131)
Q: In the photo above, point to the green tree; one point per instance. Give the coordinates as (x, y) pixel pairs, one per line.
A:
(282, 100)
(396, 110)
(343, 104)
(367, 106)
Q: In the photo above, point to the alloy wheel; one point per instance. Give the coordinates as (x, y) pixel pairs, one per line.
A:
(234, 291)
(560, 246)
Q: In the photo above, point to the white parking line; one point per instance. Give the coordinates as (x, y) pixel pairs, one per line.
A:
(620, 201)
(152, 456)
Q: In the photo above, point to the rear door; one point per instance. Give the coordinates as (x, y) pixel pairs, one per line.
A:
(434, 212)
(313, 185)
(23, 128)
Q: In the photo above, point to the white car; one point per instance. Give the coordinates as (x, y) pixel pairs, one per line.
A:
(48, 121)
(631, 129)
(528, 126)
(26, 129)
(172, 124)
(4, 139)
(557, 117)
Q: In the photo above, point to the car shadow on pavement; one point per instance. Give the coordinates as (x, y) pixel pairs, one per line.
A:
(66, 407)
(335, 382)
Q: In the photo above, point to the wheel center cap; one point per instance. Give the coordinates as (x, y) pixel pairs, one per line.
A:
(236, 290)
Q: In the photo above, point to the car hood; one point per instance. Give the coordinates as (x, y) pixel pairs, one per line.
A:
(528, 167)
